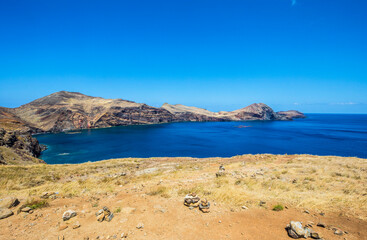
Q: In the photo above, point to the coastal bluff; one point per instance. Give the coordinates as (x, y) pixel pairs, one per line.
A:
(63, 111)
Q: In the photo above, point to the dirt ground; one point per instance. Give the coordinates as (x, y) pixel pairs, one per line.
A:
(142, 201)
(167, 219)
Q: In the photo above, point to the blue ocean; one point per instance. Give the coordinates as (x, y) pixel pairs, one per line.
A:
(318, 134)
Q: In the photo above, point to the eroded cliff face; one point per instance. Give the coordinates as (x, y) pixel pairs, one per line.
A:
(18, 147)
(63, 111)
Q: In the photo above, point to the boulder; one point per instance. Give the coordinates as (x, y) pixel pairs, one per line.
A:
(295, 230)
(68, 214)
(5, 212)
(9, 202)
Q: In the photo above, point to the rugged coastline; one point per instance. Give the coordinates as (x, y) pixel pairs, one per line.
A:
(63, 111)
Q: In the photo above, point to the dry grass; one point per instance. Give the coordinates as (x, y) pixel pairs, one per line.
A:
(332, 184)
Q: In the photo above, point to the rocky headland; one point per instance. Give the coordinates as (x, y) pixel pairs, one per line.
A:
(62, 111)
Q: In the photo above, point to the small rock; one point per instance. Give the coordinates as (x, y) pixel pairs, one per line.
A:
(262, 203)
(306, 211)
(244, 207)
(26, 209)
(109, 217)
(63, 227)
(220, 221)
(123, 235)
(68, 214)
(4, 213)
(76, 225)
(338, 232)
(314, 235)
(140, 226)
(320, 224)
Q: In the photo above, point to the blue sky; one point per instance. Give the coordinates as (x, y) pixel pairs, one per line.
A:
(309, 55)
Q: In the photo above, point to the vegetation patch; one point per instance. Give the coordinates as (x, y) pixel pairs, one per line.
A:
(278, 208)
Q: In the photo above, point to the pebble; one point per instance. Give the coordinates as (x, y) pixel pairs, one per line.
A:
(140, 226)
(76, 225)
(244, 207)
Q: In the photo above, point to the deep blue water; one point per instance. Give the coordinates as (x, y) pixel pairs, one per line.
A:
(319, 134)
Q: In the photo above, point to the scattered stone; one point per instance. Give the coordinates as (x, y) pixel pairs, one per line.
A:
(314, 235)
(76, 225)
(140, 226)
(68, 214)
(338, 232)
(9, 202)
(204, 206)
(63, 227)
(322, 213)
(123, 235)
(306, 211)
(220, 221)
(320, 224)
(46, 195)
(26, 209)
(262, 203)
(244, 207)
(4, 213)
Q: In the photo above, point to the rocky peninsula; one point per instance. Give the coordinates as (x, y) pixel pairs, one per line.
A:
(62, 111)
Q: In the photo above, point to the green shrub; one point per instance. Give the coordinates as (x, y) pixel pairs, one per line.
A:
(278, 207)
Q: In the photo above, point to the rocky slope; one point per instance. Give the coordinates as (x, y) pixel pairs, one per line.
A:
(17, 147)
(71, 110)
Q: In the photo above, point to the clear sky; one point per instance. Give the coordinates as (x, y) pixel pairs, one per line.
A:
(309, 55)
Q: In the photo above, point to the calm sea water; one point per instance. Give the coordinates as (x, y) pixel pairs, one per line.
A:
(319, 134)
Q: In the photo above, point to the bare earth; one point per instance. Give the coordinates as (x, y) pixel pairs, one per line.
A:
(153, 189)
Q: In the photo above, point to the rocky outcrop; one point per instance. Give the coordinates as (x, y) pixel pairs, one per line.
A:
(64, 111)
(291, 114)
(15, 145)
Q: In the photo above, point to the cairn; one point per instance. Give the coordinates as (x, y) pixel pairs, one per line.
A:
(221, 172)
(204, 206)
(104, 215)
(191, 200)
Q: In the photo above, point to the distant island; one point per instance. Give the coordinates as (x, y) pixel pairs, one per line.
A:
(63, 111)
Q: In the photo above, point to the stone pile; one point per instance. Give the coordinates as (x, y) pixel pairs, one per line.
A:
(221, 172)
(104, 215)
(204, 206)
(191, 200)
